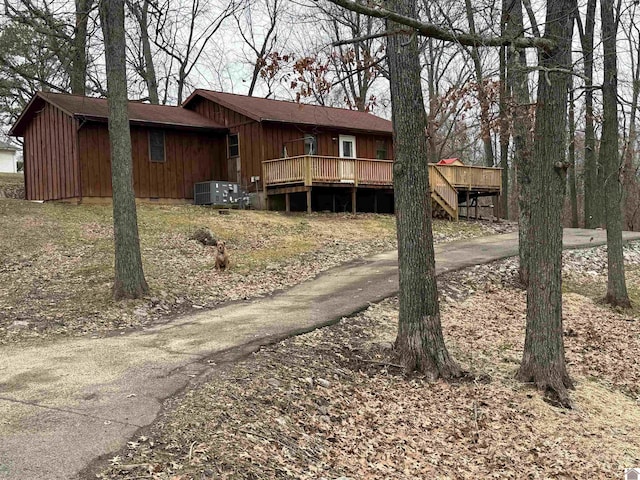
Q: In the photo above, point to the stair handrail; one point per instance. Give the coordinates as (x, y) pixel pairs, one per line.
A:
(439, 184)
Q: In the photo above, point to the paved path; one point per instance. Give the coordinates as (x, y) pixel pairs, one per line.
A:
(65, 403)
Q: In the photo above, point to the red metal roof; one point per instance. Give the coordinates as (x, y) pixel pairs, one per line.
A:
(269, 110)
(96, 109)
(449, 161)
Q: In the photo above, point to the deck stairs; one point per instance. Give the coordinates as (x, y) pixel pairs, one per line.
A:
(443, 193)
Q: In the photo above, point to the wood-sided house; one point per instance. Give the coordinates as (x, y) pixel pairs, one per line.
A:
(303, 156)
(213, 136)
(295, 156)
(67, 154)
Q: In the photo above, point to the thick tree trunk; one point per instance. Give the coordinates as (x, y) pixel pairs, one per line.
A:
(543, 361)
(573, 190)
(518, 81)
(610, 159)
(79, 60)
(592, 216)
(420, 342)
(129, 277)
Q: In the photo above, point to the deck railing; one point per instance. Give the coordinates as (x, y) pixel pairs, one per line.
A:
(307, 169)
(470, 177)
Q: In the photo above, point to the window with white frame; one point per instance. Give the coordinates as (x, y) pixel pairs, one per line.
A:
(347, 146)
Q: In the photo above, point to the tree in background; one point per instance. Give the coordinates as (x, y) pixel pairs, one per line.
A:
(610, 159)
(592, 199)
(573, 187)
(142, 56)
(518, 86)
(65, 36)
(129, 277)
(260, 39)
(184, 34)
(631, 187)
(485, 121)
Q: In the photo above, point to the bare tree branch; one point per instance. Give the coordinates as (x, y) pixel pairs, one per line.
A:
(435, 31)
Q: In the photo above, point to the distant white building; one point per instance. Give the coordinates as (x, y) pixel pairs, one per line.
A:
(8, 158)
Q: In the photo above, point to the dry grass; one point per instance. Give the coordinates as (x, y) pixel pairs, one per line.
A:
(56, 260)
(11, 185)
(11, 179)
(328, 404)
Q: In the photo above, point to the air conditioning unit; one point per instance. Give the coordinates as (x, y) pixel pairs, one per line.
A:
(216, 193)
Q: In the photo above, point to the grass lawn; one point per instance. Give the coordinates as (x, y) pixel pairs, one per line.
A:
(56, 260)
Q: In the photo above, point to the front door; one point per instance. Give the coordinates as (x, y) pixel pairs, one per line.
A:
(347, 168)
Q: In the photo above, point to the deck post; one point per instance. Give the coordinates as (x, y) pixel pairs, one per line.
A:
(287, 202)
(353, 200)
(477, 207)
(467, 206)
(375, 202)
(333, 195)
(264, 187)
(308, 177)
(309, 200)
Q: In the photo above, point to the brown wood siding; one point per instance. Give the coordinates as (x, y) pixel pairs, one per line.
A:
(190, 157)
(259, 142)
(50, 154)
(276, 135)
(248, 131)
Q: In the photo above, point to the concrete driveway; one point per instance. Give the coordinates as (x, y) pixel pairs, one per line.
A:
(67, 402)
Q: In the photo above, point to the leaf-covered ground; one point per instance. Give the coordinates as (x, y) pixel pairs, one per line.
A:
(330, 404)
(56, 261)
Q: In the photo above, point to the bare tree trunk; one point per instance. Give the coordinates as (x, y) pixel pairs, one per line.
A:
(631, 190)
(149, 71)
(485, 121)
(420, 342)
(517, 79)
(543, 362)
(79, 60)
(432, 150)
(504, 130)
(129, 276)
(592, 216)
(610, 159)
(573, 190)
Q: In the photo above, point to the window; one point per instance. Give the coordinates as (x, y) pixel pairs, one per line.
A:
(381, 150)
(347, 146)
(234, 145)
(310, 145)
(156, 146)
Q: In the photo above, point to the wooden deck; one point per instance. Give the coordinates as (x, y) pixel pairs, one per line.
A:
(447, 182)
(312, 169)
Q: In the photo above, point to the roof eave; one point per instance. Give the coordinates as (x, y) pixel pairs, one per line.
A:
(212, 98)
(16, 130)
(150, 123)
